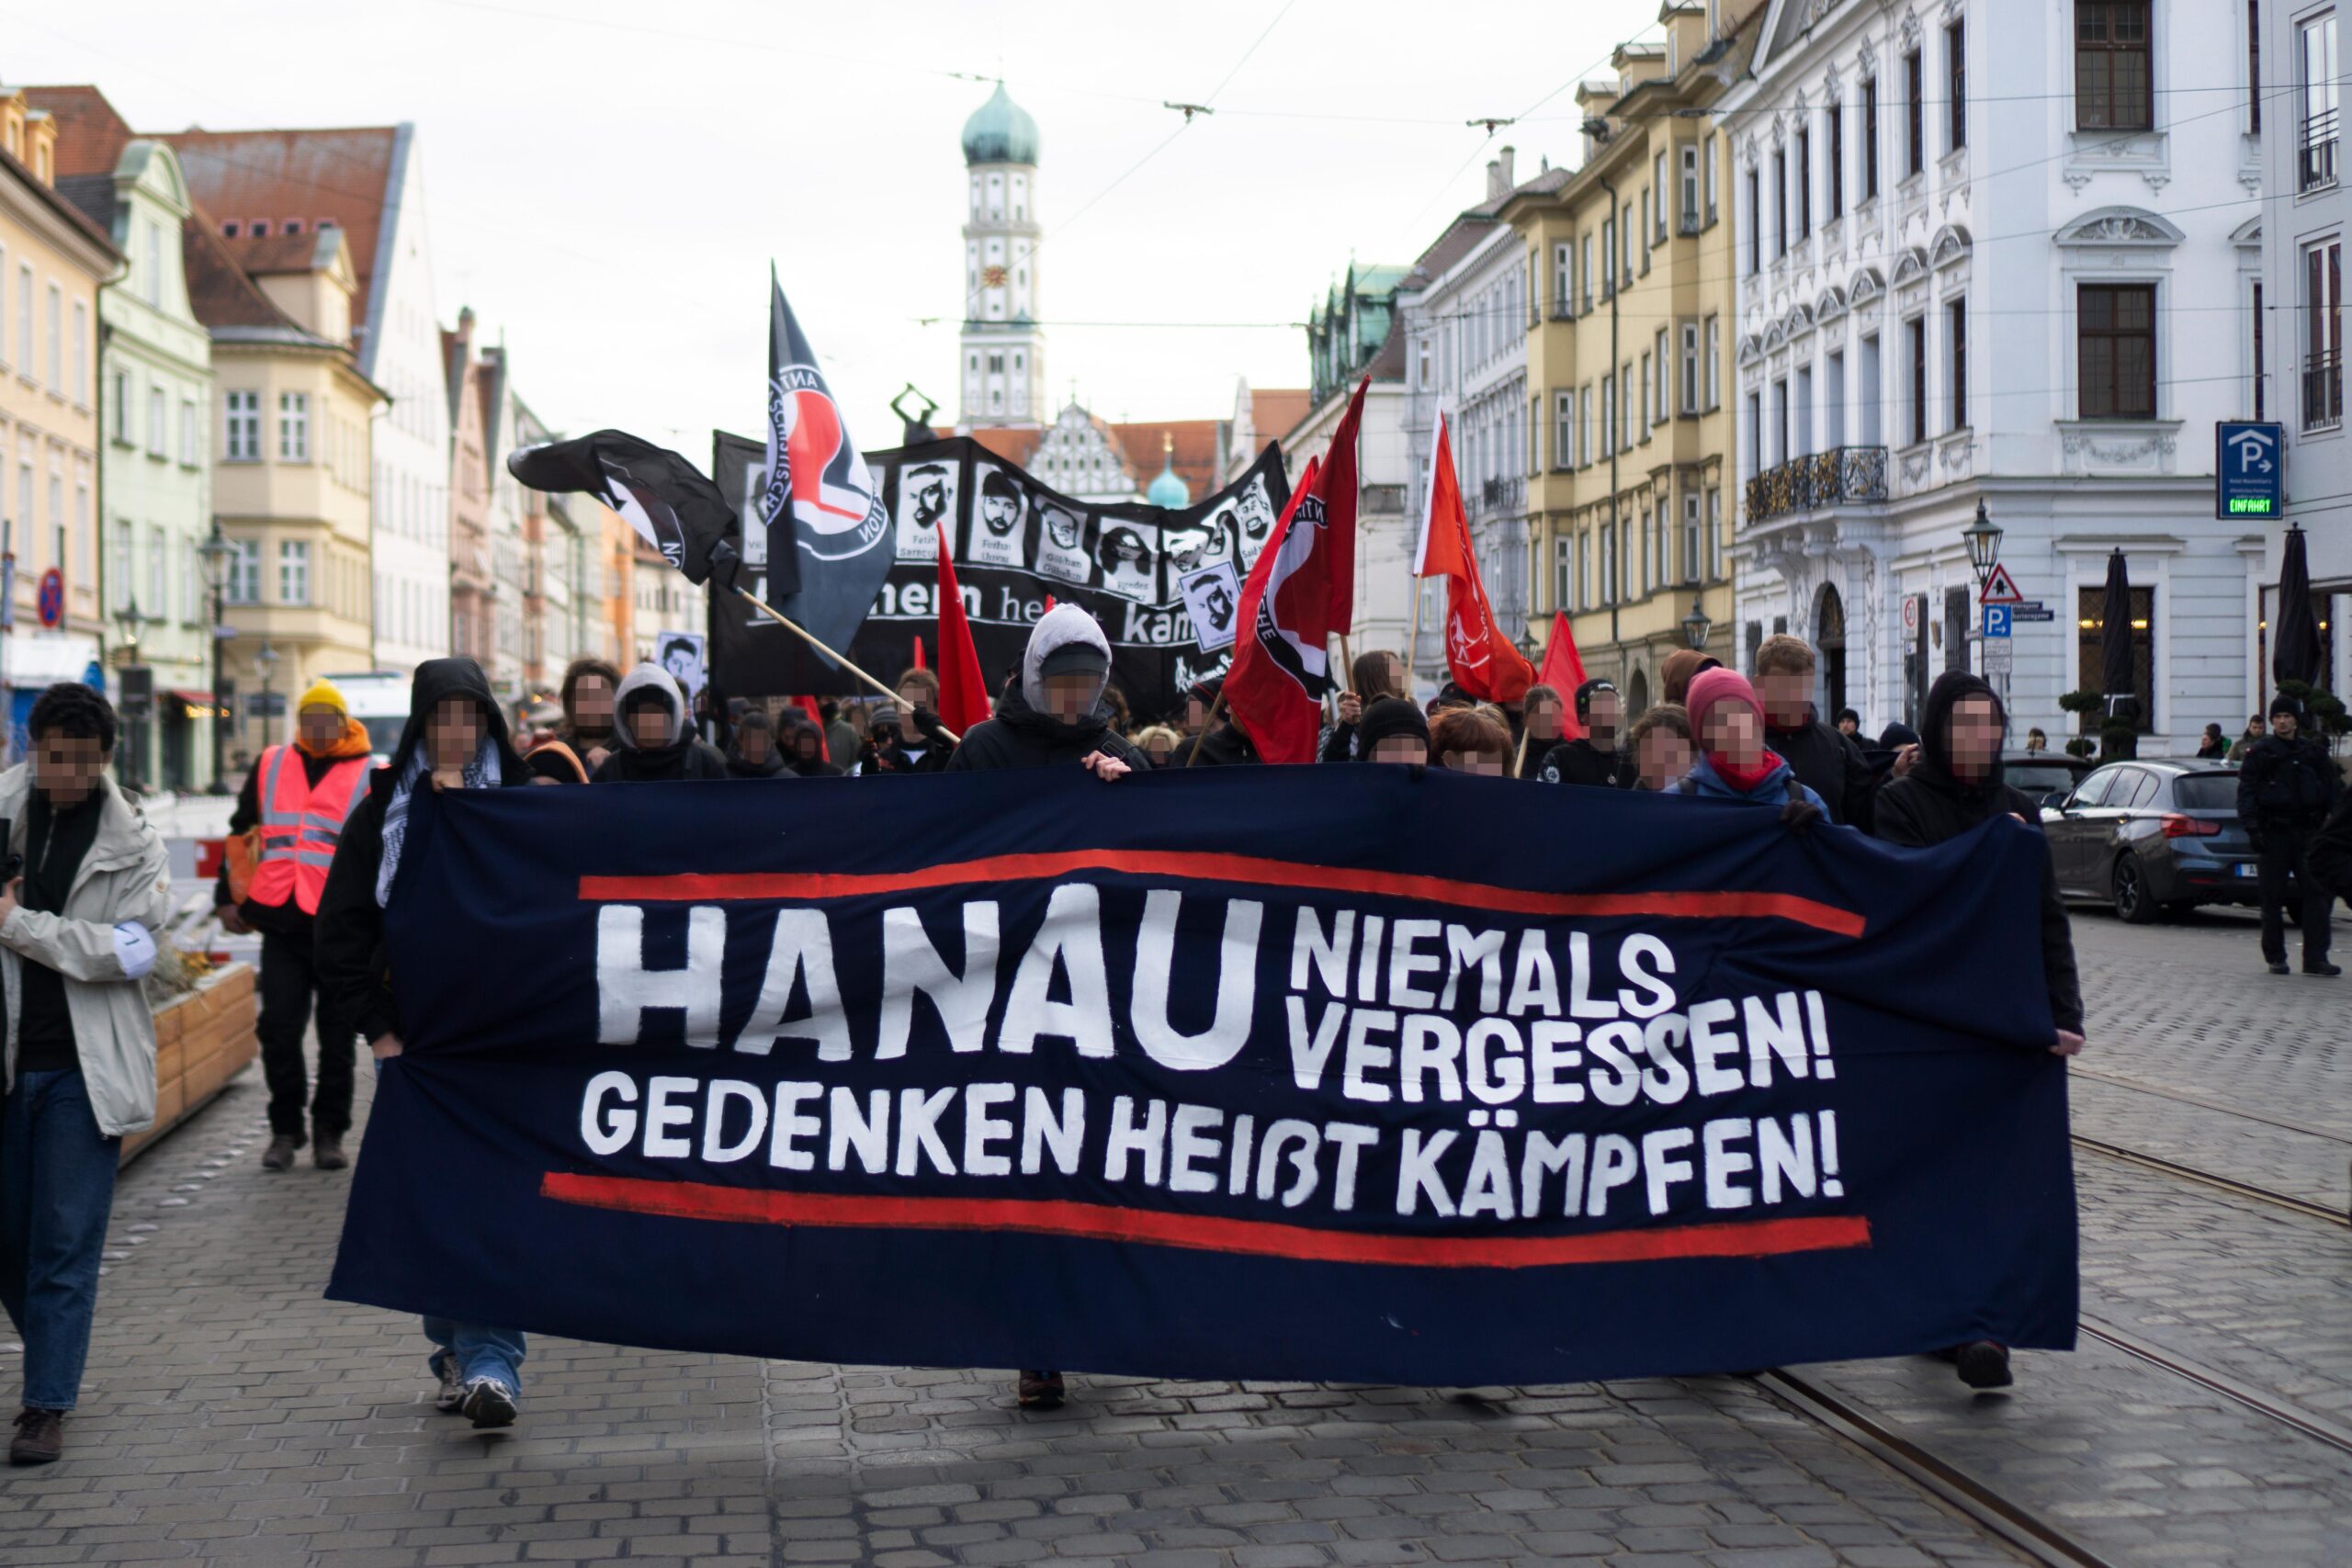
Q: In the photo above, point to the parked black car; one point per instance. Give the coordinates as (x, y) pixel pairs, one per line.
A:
(2044, 773)
(2150, 836)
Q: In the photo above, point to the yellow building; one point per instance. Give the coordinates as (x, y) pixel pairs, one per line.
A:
(53, 258)
(292, 464)
(1629, 373)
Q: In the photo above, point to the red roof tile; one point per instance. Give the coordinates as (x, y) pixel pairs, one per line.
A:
(219, 292)
(340, 174)
(90, 135)
(1196, 454)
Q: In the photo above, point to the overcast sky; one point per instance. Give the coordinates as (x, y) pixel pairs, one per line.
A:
(607, 180)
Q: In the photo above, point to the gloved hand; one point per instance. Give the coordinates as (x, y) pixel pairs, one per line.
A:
(1799, 815)
(928, 722)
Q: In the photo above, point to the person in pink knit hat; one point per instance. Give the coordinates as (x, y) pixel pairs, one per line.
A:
(1733, 763)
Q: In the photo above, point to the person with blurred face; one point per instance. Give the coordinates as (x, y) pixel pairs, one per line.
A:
(587, 694)
(1471, 741)
(1374, 674)
(1829, 763)
(1594, 758)
(455, 738)
(1676, 672)
(2286, 786)
(1733, 763)
(1662, 746)
(289, 801)
(1158, 744)
(804, 748)
(77, 936)
(651, 741)
(923, 745)
(754, 754)
(1053, 716)
(1956, 786)
(1394, 730)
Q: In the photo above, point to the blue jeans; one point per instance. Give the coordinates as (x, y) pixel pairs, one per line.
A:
(56, 1176)
(480, 1351)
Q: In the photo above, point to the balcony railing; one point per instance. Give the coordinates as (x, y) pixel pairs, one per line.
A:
(1822, 478)
(1502, 495)
(2315, 153)
(2323, 391)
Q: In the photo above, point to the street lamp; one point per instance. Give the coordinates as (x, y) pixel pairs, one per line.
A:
(216, 551)
(1695, 627)
(134, 753)
(1984, 538)
(265, 662)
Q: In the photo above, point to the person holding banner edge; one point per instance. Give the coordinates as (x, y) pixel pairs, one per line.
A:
(455, 738)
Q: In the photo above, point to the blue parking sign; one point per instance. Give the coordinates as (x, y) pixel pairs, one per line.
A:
(1997, 619)
(2249, 470)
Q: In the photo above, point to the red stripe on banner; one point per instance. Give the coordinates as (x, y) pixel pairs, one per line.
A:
(1209, 867)
(1257, 1238)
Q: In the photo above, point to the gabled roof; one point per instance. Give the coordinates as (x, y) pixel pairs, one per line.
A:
(57, 201)
(90, 135)
(224, 299)
(342, 174)
(1273, 411)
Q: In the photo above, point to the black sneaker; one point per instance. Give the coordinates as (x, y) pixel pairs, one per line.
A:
(2324, 969)
(2279, 967)
(41, 1437)
(489, 1403)
(1041, 1390)
(1984, 1365)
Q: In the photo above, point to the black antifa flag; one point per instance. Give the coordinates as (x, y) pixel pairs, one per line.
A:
(826, 541)
(666, 498)
(1016, 543)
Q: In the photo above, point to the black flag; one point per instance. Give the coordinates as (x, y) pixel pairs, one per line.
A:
(666, 498)
(828, 532)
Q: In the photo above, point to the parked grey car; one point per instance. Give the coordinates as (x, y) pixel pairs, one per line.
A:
(2152, 836)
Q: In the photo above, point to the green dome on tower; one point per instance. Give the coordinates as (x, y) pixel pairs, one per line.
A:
(1000, 132)
(1170, 488)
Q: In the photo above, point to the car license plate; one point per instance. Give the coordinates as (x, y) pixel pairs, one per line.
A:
(2248, 868)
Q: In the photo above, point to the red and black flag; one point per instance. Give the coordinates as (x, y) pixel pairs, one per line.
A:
(827, 540)
(1301, 593)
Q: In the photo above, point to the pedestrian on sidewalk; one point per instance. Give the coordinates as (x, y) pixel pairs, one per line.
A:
(76, 936)
(455, 738)
(2286, 785)
(2215, 746)
(1955, 786)
(298, 799)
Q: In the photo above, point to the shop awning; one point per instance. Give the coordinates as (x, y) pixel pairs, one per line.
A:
(191, 699)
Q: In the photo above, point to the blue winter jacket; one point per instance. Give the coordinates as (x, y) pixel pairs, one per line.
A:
(1772, 790)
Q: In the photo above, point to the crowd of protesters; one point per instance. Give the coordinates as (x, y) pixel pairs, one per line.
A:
(324, 832)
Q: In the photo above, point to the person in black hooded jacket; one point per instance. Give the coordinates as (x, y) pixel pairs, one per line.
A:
(753, 755)
(1954, 786)
(455, 738)
(651, 741)
(1027, 732)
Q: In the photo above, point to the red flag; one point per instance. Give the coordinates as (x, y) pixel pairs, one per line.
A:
(963, 690)
(808, 707)
(1301, 593)
(1563, 673)
(1484, 662)
(919, 663)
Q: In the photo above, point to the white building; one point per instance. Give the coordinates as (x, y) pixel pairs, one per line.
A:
(2029, 286)
(2302, 292)
(1002, 348)
(1465, 311)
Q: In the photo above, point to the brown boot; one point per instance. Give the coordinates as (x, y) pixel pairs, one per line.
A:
(280, 1155)
(41, 1437)
(326, 1149)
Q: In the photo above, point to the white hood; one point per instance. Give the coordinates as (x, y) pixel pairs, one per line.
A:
(646, 675)
(1060, 626)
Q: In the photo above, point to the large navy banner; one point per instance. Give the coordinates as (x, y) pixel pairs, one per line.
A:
(1357, 1074)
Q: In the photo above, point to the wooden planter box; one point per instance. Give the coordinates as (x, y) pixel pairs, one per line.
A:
(202, 1040)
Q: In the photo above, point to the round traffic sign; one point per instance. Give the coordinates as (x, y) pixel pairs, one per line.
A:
(1910, 611)
(52, 598)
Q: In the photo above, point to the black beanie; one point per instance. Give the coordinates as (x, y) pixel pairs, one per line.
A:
(1584, 697)
(2284, 703)
(1387, 718)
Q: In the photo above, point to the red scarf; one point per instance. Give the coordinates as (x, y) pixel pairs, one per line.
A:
(1744, 780)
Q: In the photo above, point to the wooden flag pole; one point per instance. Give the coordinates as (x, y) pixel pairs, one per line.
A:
(1207, 724)
(1518, 763)
(798, 630)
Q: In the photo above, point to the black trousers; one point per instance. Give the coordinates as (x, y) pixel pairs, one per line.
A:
(287, 983)
(2286, 853)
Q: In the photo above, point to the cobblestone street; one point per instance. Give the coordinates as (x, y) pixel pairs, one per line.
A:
(233, 1415)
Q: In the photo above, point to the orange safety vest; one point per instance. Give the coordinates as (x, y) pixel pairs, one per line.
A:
(299, 825)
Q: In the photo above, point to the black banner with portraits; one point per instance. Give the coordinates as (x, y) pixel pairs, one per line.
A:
(1017, 545)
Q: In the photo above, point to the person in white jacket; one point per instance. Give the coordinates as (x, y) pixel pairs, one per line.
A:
(77, 924)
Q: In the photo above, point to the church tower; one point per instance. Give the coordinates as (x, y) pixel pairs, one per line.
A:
(1003, 349)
